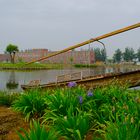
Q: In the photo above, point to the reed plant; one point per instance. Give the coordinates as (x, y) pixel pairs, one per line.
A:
(6, 99)
(60, 101)
(31, 104)
(125, 128)
(111, 112)
(74, 126)
(37, 132)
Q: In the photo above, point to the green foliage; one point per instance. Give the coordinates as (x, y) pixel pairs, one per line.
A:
(103, 53)
(138, 54)
(100, 54)
(29, 67)
(31, 104)
(117, 111)
(12, 49)
(7, 99)
(74, 127)
(128, 55)
(117, 57)
(11, 85)
(71, 59)
(85, 65)
(112, 111)
(111, 101)
(60, 101)
(123, 130)
(37, 132)
(20, 59)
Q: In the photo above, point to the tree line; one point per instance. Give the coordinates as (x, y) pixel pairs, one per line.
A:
(128, 55)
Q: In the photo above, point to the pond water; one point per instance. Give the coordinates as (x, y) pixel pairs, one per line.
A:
(12, 80)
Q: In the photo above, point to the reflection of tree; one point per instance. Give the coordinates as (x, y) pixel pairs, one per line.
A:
(12, 84)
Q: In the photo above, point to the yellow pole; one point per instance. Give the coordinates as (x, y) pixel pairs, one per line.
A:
(88, 41)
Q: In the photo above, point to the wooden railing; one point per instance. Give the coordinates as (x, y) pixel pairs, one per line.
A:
(34, 83)
(69, 77)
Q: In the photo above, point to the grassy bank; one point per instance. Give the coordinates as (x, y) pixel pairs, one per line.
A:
(85, 65)
(34, 66)
(74, 113)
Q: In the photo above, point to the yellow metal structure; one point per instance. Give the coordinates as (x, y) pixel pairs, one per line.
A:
(89, 41)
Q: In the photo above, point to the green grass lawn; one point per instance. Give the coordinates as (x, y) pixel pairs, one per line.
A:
(32, 66)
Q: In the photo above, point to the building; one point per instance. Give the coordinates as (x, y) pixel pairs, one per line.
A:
(30, 55)
(75, 57)
(4, 57)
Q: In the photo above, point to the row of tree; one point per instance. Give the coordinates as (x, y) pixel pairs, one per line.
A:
(128, 55)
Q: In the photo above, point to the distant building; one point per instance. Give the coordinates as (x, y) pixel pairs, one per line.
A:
(30, 55)
(4, 57)
(75, 57)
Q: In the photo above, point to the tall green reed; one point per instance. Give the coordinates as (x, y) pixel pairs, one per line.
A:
(31, 104)
(37, 132)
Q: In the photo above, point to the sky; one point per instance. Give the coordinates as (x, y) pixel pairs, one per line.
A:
(57, 24)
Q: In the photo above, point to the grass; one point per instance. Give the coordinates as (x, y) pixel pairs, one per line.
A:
(35, 66)
(6, 99)
(85, 65)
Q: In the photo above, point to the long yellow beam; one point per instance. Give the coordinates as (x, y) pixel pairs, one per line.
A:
(88, 41)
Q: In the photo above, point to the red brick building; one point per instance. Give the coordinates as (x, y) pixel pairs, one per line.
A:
(4, 57)
(75, 57)
(29, 55)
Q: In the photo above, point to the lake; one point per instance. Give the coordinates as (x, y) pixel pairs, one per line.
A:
(12, 80)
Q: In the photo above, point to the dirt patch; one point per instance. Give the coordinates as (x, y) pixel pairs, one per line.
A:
(10, 122)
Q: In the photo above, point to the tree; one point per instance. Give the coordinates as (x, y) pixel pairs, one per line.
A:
(103, 55)
(100, 54)
(117, 57)
(129, 54)
(138, 54)
(97, 54)
(12, 49)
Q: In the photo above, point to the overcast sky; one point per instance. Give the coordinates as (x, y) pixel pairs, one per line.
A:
(57, 24)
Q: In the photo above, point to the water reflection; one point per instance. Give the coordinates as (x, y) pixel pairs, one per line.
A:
(12, 83)
(12, 80)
